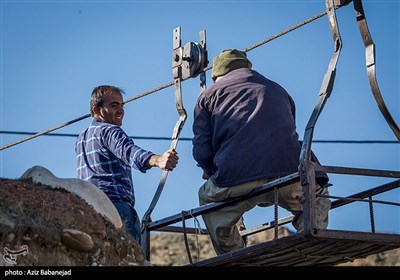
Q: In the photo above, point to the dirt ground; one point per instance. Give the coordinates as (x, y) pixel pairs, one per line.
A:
(57, 228)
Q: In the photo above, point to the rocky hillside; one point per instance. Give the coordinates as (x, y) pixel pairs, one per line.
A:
(42, 226)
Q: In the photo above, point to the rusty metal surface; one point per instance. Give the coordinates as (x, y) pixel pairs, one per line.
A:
(328, 248)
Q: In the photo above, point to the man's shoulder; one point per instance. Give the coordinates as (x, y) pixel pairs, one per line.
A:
(100, 129)
(103, 126)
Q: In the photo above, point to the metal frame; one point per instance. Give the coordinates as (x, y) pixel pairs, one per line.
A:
(314, 246)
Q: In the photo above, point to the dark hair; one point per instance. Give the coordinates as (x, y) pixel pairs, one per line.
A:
(99, 91)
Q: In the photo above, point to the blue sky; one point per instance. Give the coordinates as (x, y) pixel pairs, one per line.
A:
(53, 53)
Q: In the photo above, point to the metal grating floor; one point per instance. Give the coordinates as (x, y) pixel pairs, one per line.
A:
(327, 248)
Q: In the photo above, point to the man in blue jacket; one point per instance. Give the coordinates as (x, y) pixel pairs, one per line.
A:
(245, 136)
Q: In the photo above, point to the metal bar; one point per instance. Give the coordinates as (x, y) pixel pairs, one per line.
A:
(307, 176)
(374, 191)
(352, 199)
(371, 214)
(185, 238)
(281, 182)
(370, 65)
(276, 214)
(357, 171)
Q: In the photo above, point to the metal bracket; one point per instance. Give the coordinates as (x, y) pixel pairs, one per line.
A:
(187, 62)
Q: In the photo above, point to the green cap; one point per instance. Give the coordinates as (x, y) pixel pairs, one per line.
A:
(229, 60)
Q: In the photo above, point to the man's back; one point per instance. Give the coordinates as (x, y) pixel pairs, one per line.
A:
(253, 129)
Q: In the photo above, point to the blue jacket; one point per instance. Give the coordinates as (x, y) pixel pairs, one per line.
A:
(244, 129)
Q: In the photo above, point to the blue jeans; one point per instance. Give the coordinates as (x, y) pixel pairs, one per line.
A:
(130, 218)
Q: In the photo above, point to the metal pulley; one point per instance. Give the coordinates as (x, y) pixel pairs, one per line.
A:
(193, 59)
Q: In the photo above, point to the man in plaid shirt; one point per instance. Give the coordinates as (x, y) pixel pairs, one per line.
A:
(105, 155)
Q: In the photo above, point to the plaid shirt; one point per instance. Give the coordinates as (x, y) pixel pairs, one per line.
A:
(104, 155)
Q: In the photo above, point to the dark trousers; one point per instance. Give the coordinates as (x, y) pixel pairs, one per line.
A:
(130, 218)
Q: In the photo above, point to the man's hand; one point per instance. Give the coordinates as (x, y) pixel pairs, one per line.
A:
(167, 161)
(205, 176)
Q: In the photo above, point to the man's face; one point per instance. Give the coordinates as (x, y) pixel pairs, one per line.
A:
(112, 110)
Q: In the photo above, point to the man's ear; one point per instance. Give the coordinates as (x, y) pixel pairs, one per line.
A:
(96, 110)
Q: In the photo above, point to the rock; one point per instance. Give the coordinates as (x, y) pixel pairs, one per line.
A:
(77, 240)
(84, 189)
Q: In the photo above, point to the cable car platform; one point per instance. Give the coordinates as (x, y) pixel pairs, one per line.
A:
(327, 248)
(314, 247)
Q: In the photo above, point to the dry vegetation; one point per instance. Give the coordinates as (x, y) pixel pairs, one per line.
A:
(59, 229)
